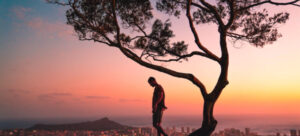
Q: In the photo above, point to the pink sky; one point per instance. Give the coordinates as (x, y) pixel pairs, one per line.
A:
(49, 73)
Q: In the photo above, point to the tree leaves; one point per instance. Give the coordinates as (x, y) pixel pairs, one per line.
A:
(95, 20)
(134, 13)
(259, 28)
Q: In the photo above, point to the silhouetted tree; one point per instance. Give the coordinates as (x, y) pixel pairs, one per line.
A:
(130, 26)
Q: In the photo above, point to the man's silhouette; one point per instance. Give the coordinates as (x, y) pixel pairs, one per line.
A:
(158, 105)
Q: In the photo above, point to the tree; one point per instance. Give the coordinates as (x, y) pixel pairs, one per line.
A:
(109, 22)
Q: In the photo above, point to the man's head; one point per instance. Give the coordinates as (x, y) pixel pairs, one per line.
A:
(152, 81)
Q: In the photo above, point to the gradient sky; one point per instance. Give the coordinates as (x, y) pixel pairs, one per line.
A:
(46, 72)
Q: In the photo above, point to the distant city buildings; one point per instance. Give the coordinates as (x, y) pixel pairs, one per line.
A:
(143, 131)
(235, 132)
(293, 132)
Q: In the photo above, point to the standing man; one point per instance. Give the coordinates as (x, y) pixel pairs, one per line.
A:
(158, 105)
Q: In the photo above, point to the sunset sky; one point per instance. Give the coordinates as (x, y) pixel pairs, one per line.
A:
(45, 71)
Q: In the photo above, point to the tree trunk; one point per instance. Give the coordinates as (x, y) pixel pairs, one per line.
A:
(208, 123)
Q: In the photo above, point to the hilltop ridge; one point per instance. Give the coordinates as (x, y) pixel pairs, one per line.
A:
(100, 125)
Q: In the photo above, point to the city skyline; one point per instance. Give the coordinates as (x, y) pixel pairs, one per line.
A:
(108, 127)
(46, 72)
(144, 131)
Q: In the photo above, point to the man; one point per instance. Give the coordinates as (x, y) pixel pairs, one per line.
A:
(158, 105)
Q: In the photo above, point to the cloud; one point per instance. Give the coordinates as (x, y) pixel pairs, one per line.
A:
(97, 97)
(22, 91)
(51, 96)
(131, 100)
(41, 26)
(51, 29)
(21, 12)
(61, 94)
(16, 92)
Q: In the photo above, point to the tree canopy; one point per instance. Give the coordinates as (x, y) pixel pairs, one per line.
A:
(96, 20)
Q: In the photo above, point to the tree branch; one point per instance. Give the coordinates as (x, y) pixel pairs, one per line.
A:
(187, 76)
(141, 29)
(183, 57)
(232, 13)
(196, 5)
(238, 36)
(197, 40)
(95, 40)
(116, 21)
(199, 6)
(271, 2)
(57, 2)
(213, 57)
(214, 11)
(72, 5)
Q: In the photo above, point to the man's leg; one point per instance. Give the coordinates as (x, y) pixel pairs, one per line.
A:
(155, 119)
(160, 130)
(158, 125)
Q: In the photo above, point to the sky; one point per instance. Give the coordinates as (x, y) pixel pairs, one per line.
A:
(46, 72)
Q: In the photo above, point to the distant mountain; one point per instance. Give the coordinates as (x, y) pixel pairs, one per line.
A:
(100, 125)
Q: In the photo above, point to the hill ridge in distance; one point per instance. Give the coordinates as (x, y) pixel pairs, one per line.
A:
(102, 124)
